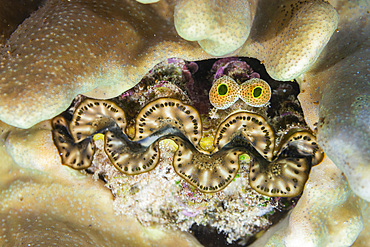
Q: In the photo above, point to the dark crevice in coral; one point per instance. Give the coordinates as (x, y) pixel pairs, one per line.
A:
(190, 82)
(210, 237)
(13, 13)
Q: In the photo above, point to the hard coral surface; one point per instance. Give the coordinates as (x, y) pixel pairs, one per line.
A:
(99, 48)
(102, 48)
(293, 32)
(327, 214)
(220, 28)
(335, 96)
(47, 61)
(42, 202)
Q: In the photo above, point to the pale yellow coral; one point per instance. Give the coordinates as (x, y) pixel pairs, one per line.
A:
(293, 32)
(327, 214)
(72, 47)
(59, 206)
(220, 26)
(101, 49)
(80, 56)
(335, 97)
(147, 1)
(335, 218)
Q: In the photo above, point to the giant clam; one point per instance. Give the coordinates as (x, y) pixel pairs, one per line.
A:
(211, 141)
(171, 117)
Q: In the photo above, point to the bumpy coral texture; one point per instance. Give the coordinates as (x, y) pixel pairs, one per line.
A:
(327, 201)
(70, 47)
(58, 206)
(220, 26)
(88, 47)
(291, 53)
(335, 97)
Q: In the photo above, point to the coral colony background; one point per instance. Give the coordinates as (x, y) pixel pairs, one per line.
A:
(184, 123)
